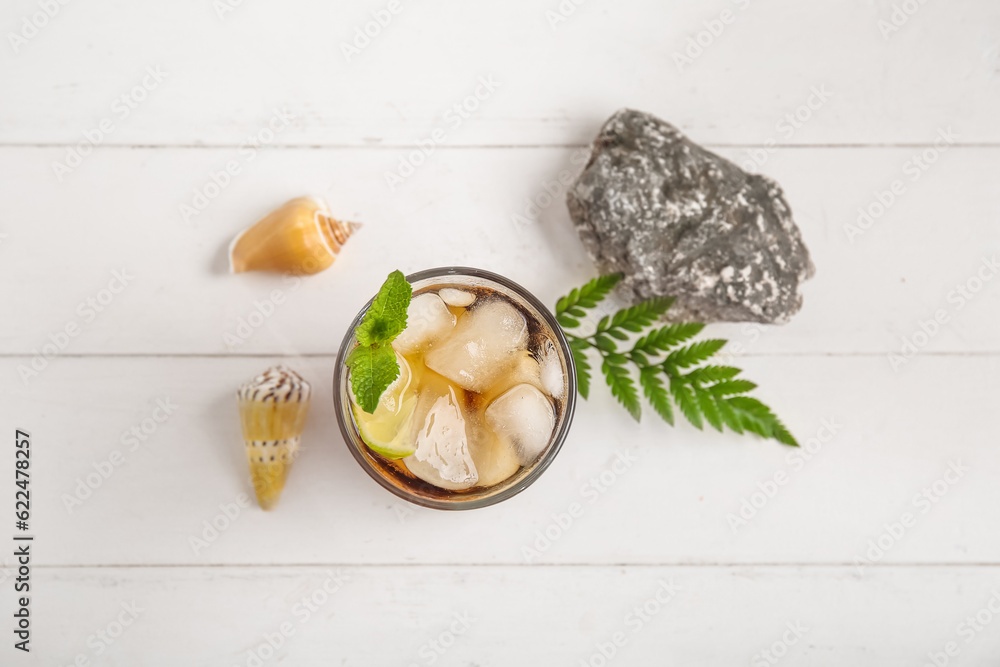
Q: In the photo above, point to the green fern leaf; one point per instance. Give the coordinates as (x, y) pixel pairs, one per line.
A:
(782, 434)
(639, 359)
(705, 393)
(693, 354)
(710, 374)
(707, 404)
(758, 418)
(752, 425)
(590, 294)
(685, 400)
(665, 338)
(578, 349)
(567, 322)
(568, 301)
(656, 393)
(729, 416)
(621, 384)
(636, 318)
(731, 387)
(604, 343)
(750, 406)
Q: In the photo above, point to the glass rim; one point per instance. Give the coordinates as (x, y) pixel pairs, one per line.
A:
(353, 441)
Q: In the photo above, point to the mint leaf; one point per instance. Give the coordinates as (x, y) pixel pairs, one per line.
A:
(373, 362)
(386, 317)
(373, 369)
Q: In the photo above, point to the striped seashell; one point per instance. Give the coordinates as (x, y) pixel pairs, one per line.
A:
(273, 408)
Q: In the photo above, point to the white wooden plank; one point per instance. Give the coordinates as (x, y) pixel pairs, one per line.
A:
(120, 211)
(839, 540)
(225, 75)
(503, 616)
(888, 437)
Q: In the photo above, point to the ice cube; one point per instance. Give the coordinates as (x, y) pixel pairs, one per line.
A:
(456, 297)
(524, 417)
(442, 457)
(427, 319)
(550, 369)
(525, 370)
(482, 346)
(495, 458)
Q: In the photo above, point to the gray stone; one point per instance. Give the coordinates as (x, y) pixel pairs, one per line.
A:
(681, 221)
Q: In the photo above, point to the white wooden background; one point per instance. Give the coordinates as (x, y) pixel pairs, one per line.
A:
(404, 578)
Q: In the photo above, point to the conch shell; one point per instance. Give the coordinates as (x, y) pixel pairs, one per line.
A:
(273, 409)
(300, 237)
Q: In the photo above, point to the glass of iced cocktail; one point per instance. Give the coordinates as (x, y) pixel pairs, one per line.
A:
(483, 400)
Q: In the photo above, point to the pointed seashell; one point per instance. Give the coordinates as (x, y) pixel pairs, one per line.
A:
(273, 409)
(300, 237)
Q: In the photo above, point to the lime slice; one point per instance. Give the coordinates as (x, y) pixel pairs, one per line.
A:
(388, 433)
(387, 430)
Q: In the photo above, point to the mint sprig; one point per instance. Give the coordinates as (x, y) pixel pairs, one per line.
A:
(705, 393)
(373, 362)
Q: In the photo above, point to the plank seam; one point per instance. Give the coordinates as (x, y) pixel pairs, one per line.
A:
(333, 355)
(106, 146)
(767, 565)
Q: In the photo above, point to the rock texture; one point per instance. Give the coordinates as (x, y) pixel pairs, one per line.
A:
(680, 221)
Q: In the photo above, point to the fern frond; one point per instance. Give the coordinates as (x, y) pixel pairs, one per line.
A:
(706, 393)
(665, 338)
(589, 295)
(621, 383)
(656, 393)
(684, 398)
(636, 318)
(710, 374)
(578, 350)
(695, 353)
